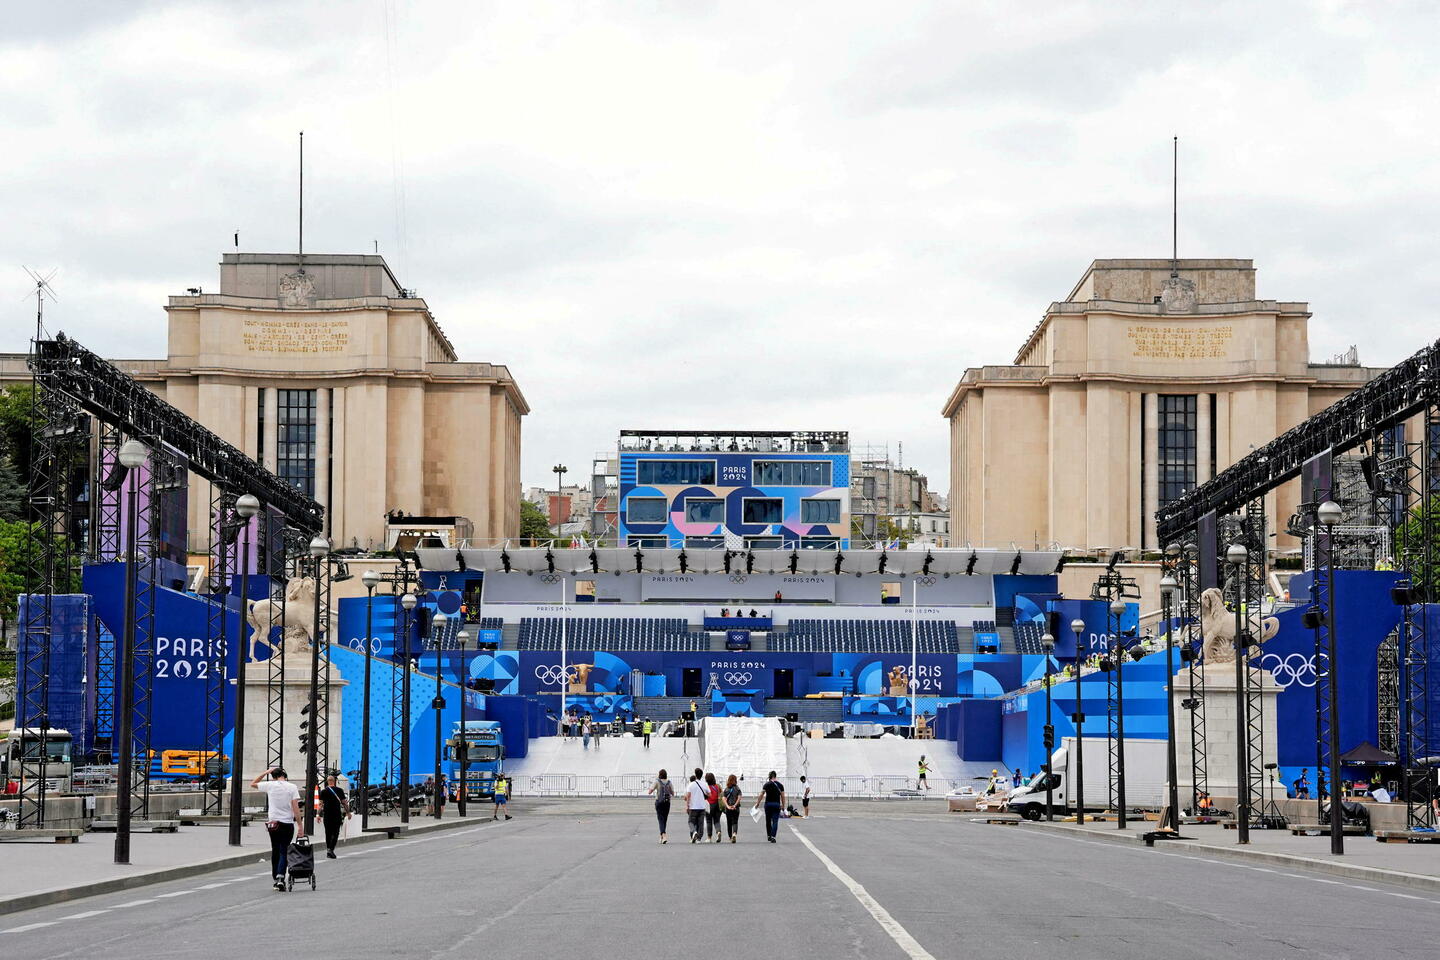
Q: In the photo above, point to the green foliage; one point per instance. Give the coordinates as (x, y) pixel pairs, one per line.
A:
(534, 525)
(15, 426)
(12, 491)
(14, 539)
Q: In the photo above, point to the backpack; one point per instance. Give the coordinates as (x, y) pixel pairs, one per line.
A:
(665, 792)
(714, 793)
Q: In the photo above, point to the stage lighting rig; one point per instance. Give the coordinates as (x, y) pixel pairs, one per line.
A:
(881, 567)
(460, 561)
(749, 561)
(639, 561)
(549, 560)
(839, 560)
(505, 560)
(729, 558)
(1015, 565)
(684, 562)
(794, 562)
(925, 567)
(970, 564)
(594, 561)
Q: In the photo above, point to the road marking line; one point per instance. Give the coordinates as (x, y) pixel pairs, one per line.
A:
(177, 893)
(82, 916)
(889, 924)
(212, 886)
(133, 903)
(31, 926)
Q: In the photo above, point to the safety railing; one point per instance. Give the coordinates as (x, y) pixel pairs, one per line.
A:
(857, 787)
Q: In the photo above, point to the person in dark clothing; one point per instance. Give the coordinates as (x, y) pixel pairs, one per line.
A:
(712, 818)
(663, 792)
(334, 811)
(772, 794)
(731, 802)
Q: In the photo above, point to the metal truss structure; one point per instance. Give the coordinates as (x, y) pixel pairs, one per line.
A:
(83, 408)
(1187, 571)
(1401, 479)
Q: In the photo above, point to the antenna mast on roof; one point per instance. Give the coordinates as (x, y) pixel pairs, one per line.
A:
(1174, 207)
(300, 253)
(42, 290)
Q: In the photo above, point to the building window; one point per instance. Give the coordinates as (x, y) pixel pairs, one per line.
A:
(819, 543)
(764, 543)
(260, 427)
(790, 473)
(819, 511)
(645, 510)
(704, 543)
(704, 510)
(295, 439)
(763, 510)
(1177, 451)
(653, 473)
(648, 543)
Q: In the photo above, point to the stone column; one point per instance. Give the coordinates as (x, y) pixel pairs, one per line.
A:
(1151, 495)
(1222, 732)
(271, 433)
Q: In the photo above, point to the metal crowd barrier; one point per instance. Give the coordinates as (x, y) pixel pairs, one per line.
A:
(856, 787)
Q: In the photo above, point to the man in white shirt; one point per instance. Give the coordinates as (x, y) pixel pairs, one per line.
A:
(697, 805)
(282, 818)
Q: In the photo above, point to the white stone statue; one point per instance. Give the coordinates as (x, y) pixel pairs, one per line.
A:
(1217, 625)
(297, 620)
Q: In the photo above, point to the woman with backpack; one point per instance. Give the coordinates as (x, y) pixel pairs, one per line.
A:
(731, 800)
(663, 791)
(712, 816)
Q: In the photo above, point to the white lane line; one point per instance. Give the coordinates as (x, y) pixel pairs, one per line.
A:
(31, 926)
(889, 924)
(86, 914)
(212, 886)
(134, 903)
(177, 893)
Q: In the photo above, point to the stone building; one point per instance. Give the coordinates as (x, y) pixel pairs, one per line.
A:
(1141, 383)
(341, 382)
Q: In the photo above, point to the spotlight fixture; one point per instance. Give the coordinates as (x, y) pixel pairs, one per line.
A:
(970, 564)
(1115, 558)
(639, 561)
(1015, 565)
(505, 560)
(729, 558)
(594, 561)
(749, 561)
(549, 560)
(925, 567)
(794, 562)
(1060, 564)
(839, 559)
(460, 561)
(883, 558)
(115, 479)
(1312, 618)
(684, 562)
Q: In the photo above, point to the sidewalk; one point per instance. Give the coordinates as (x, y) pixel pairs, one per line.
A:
(1365, 858)
(43, 872)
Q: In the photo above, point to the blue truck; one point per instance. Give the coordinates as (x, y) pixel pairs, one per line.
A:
(478, 743)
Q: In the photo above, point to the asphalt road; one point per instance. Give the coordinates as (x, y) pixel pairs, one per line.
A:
(872, 886)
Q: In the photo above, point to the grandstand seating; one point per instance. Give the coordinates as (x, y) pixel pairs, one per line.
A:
(1027, 637)
(611, 633)
(866, 636)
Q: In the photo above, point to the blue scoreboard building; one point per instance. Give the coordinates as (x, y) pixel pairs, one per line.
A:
(708, 489)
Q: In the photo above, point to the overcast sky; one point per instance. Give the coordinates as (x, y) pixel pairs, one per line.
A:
(750, 215)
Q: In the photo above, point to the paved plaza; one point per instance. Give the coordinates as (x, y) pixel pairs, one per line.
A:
(586, 879)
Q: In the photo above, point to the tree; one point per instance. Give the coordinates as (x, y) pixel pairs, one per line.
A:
(12, 491)
(534, 525)
(15, 426)
(13, 538)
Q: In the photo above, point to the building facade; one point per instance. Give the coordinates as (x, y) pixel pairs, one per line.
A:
(1149, 378)
(341, 382)
(761, 489)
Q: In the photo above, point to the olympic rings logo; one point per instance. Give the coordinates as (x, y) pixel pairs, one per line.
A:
(737, 578)
(1295, 668)
(549, 578)
(925, 581)
(737, 679)
(551, 673)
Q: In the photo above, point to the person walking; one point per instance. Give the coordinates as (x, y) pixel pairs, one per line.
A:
(922, 780)
(501, 795)
(805, 799)
(663, 791)
(585, 731)
(1016, 780)
(282, 817)
(712, 819)
(697, 805)
(1302, 784)
(333, 812)
(731, 800)
(772, 794)
(647, 728)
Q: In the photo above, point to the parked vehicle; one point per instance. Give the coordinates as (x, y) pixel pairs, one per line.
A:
(21, 759)
(484, 756)
(1144, 778)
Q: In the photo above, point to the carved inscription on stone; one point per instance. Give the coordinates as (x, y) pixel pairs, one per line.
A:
(1154, 342)
(295, 336)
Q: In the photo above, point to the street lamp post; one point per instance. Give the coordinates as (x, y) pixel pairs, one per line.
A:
(246, 506)
(1118, 655)
(1329, 514)
(319, 550)
(1237, 555)
(1047, 643)
(559, 470)
(408, 602)
(914, 656)
(1078, 627)
(463, 638)
(133, 455)
(371, 579)
(1167, 595)
(437, 634)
